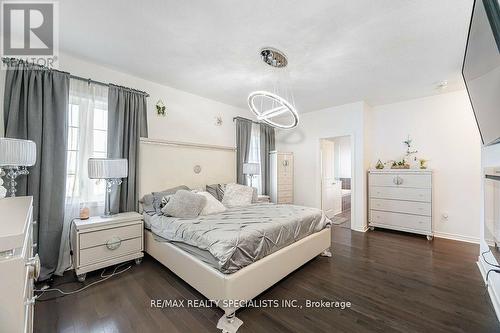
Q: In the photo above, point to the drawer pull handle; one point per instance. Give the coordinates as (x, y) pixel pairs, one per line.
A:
(34, 267)
(113, 243)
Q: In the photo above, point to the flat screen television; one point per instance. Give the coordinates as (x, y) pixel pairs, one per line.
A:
(481, 68)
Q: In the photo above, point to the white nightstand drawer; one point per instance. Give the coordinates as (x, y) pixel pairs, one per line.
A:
(415, 222)
(100, 237)
(401, 180)
(400, 193)
(397, 206)
(103, 252)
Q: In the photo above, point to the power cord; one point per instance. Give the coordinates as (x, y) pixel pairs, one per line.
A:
(486, 261)
(66, 293)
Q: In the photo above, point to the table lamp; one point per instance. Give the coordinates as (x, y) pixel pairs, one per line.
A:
(112, 170)
(251, 170)
(15, 156)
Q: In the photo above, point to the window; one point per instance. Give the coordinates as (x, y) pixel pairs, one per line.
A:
(87, 137)
(254, 156)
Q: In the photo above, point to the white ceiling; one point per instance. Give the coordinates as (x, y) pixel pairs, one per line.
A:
(339, 51)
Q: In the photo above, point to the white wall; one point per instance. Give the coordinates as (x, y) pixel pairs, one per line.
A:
(304, 143)
(444, 131)
(190, 118)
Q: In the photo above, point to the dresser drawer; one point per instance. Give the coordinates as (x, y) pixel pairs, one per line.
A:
(102, 252)
(285, 188)
(285, 180)
(409, 207)
(285, 198)
(401, 193)
(405, 221)
(401, 180)
(100, 237)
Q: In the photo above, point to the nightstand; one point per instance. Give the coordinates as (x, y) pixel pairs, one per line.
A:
(103, 241)
(263, 199)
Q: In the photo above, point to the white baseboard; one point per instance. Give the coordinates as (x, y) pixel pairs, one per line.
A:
(461, 238)
(362, 229)
(494, 296)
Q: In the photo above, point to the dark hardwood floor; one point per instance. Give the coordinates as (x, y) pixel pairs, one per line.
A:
(396, 283)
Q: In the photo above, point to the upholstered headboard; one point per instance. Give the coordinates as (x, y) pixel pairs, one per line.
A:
(166, 164)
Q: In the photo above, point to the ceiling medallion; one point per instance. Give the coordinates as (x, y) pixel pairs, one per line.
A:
(273, 57)
(275, 108)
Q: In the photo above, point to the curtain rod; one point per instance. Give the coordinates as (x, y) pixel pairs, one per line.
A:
(89, 80)
(76, 77)
(243, 118)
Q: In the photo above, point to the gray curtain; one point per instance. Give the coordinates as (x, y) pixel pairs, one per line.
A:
(267, 144)
(35, 108)
(127, 123)
(243, 135)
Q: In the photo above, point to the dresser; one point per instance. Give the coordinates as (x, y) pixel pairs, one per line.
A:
(281, 165)
(18, 266)
(401, 200)
(104, 241)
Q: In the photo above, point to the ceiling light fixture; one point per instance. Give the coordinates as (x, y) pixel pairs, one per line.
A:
(276, 108)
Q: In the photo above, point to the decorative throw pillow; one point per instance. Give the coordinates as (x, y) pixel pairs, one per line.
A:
(212, 206)
(216, 190)
(237, 195)
(158, 196)
(184, 204)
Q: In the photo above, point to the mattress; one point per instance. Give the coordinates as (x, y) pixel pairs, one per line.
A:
(240, 236)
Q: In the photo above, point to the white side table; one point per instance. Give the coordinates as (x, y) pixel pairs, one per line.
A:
(104, 241)
(263, 198)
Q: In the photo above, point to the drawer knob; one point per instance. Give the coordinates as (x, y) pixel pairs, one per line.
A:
(34, 267)
(113, 243)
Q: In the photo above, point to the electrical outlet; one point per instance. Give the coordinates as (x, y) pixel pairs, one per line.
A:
(444, 216)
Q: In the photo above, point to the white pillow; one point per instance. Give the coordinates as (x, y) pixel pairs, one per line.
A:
(237, 195)
(213, 206)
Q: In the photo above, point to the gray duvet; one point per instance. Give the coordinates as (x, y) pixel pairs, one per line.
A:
(243, 235)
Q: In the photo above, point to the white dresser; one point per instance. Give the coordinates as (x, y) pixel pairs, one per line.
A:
(18, 267)
(401, 200)
(104, 241)
(281, 164)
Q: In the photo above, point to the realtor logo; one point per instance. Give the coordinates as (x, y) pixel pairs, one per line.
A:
(29, 31)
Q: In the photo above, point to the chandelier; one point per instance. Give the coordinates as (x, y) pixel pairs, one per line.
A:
(275, 107)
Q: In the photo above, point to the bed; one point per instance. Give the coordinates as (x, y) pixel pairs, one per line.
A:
(232, 282)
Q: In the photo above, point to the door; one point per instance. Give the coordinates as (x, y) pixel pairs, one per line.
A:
(331, 188)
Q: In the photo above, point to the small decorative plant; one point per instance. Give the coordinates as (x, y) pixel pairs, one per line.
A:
(423, 163)
(161, 109)
(400, 164)
(379, 165)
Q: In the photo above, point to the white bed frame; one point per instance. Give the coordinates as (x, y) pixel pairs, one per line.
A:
(225, 289)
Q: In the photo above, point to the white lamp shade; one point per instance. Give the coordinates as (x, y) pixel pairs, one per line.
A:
(16, 152)
(251, 168)
(107, 168)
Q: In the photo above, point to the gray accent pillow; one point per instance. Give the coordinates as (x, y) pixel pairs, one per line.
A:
(151, 203)
(217, 190)
(184, 204)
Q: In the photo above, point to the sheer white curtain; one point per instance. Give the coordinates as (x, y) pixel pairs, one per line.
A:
(87, 137)
(254, 156)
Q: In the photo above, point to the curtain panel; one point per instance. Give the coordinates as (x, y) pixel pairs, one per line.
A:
(127, 123)
(243, 137)
(267, 144)
(36, 108)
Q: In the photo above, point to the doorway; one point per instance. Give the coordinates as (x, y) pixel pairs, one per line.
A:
(336, 176)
